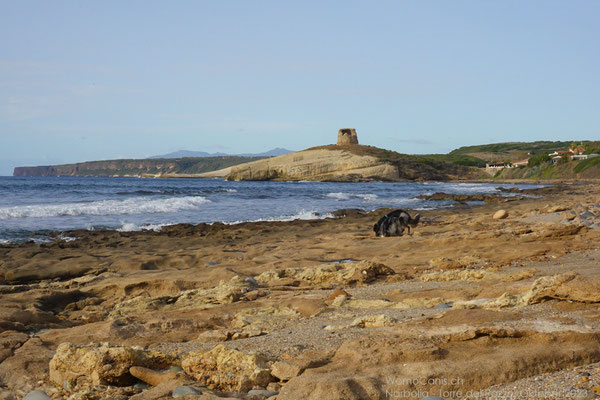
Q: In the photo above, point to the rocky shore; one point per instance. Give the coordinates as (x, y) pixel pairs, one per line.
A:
(476, 303)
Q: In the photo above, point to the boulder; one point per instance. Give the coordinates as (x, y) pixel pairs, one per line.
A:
(101, 364)
(227, 369)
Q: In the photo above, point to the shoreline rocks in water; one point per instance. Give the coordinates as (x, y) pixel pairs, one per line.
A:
(463, 198)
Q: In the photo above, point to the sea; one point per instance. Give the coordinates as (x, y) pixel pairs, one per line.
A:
(35, 208)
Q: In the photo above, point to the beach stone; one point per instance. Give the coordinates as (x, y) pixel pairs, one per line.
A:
(36, 395)
(141, 385)
(262, 392)
(153, 377)
(500, 214)
(251, 281)
(286, 370)
(185, 390)
(336, 293)
(219, 335)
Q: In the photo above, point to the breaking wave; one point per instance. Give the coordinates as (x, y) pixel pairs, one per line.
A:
(140, 205)
(348, 196)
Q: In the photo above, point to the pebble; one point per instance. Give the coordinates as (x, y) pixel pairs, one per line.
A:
(587, 215)
(262, 392)
(443, 306)
(500, 214)
(36, 395)
(183, 391)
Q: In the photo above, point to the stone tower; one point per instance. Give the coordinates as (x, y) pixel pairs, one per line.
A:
(346, 137)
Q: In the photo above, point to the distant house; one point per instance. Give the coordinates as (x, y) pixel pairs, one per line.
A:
(583, 156)
(560, 153)
(493, 168)
(577, 150)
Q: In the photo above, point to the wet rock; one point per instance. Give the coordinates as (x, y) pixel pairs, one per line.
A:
(500, 214)
(101, 364)
(36, 395)
(349, 212)
(227, 369)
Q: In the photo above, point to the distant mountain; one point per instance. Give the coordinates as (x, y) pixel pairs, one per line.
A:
(187, 153)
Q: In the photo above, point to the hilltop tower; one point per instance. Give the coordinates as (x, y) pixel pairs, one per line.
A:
(346, 137)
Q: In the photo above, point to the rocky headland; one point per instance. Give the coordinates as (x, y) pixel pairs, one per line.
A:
(474, 300)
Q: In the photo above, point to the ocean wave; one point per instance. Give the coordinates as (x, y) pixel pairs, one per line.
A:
(348, 196)
(140, 205)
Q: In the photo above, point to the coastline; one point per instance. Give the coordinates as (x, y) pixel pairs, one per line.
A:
(451, 288)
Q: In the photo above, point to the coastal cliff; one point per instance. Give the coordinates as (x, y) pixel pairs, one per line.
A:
(130, 167)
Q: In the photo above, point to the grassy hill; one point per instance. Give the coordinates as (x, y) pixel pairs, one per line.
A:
(429, 166)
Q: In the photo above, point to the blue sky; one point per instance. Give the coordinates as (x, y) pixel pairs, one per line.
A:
(127, 79)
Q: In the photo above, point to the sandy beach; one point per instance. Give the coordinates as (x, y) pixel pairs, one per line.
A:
(466, 306)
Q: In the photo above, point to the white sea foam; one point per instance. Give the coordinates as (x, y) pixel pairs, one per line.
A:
(348, 196)
(131, 227)
(302, 214)
(139, 205)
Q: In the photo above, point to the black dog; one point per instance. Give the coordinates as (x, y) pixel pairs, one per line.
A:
(393, 224)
